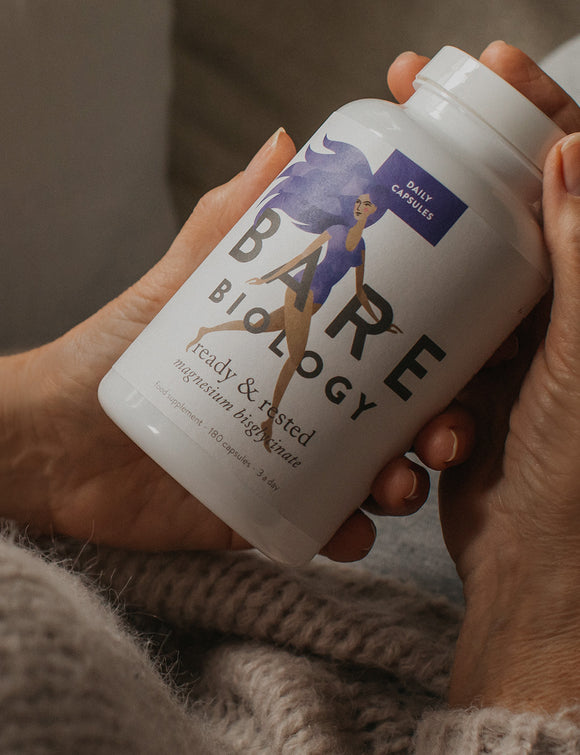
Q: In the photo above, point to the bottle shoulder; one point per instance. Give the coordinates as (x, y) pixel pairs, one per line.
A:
(373, 112)
(503, 210)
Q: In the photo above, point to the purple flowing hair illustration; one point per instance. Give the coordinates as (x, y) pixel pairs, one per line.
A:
(320, 191)
(335, 196)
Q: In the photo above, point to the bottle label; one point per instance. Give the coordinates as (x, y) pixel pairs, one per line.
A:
(351, 302)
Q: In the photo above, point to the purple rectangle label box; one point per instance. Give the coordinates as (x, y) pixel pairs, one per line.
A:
(420, 200)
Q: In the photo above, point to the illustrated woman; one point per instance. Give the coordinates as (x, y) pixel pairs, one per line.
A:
(334, 195)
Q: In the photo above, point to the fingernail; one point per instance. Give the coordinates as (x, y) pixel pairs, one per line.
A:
(453, 447)
(406, 54)
(266, 147)
(571, 164)
(412, 494)
(498, 42)
(367, 549)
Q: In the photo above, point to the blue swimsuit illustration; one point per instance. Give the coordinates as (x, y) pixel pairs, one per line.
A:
(336, 263)
(334, 195)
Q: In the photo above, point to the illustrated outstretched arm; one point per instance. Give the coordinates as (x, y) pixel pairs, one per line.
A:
(360, 292)
(316, 244)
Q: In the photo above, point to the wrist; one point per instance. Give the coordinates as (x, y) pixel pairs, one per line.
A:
(24, 490)
(519, 646)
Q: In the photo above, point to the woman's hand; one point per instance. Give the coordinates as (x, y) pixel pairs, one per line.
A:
(65, 467)
(511, 514)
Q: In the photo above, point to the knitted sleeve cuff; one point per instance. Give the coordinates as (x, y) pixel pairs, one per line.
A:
(497, 732)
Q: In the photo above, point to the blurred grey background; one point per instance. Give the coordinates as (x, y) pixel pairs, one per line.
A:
(115, 116)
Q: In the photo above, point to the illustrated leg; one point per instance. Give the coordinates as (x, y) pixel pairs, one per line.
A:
(297, 326)
(276, 323)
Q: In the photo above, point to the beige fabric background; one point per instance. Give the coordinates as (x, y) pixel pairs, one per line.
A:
(84, 203)
(244, 69)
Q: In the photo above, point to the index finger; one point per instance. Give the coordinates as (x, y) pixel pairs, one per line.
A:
(528, 78)
(511, 64)
(402, 72)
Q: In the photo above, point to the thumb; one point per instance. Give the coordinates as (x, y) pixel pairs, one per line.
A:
(219, 209)
(561, 205)
(214, 215)
(98, 341)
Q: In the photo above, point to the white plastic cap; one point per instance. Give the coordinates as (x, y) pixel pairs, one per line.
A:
(494, 101)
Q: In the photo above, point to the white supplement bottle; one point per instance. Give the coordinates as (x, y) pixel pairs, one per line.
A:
(351, 303)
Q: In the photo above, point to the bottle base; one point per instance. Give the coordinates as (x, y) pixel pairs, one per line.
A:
(209, 480)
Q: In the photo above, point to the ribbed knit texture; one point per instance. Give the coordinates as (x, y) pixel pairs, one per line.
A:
(72, 680)
(254, 658)
(498, 732)
(320, 660)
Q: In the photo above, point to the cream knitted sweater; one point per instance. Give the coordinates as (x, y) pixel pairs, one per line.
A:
(104, 651)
